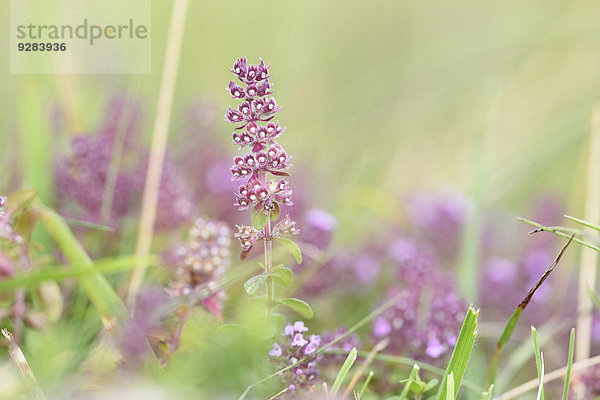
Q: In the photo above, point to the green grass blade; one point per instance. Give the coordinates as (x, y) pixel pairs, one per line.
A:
(364, 386)
(504, 337)
(460, 355)
(569, 365)
(584, 223)
(108, 304)
(411, 378)
(521, 355)
(540, 395)
(36, 143)
(487, 395)
(539, 361)
(408, 362)
(450, 387)
(344, 371)
(558, 233)
(58, 272)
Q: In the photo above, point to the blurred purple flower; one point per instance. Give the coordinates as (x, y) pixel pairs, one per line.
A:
(150, 309)
(439, 219)
(81, 179)
(591, 380)
(174, 204)
(123, 116)
(359, 268)
(367, 267)
(83, 176)
(414, 264)
(346, 345)
(318, 227)
(425, 320)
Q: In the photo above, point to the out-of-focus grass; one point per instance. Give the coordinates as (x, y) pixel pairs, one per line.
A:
(378, 98)
(410, 83)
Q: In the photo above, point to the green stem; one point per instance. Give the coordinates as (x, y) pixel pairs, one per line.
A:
(269, 264)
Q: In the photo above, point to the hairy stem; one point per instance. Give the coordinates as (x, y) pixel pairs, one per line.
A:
(269, 264)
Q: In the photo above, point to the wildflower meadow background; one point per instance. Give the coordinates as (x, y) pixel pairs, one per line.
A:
(310, 200)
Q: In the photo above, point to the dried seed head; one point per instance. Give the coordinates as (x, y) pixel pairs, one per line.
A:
(201, 262)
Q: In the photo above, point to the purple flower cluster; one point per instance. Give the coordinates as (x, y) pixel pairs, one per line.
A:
(437, 219)
(81, 179)
(291, 348)
(264, 195)
(249, 235)
(256, 130)
(84, 176)
(359, 268)
(424, 321)
(201, 262)
(414, 263)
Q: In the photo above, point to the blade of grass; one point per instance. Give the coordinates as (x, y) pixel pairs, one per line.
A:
(106, 301)
(159, 144)
(460, 355)
(539, 362)
(594, 240)
(514, 318)
(85, 224)
(58, 272)
(37, 148)
(584, 223)
(339, 379)
(569, 365)
(589, 260)
(470, 242)
(540, 394)
(488, 394)
(450, 387)
(469, 255)
(557, 232)
(364, 386)
(409, 362)
(276, 395)
(376, 349)
(123, 122)
(411, 378)
(22, 365)
(521, 355)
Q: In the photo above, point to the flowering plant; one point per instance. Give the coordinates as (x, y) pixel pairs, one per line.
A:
(256, 130)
